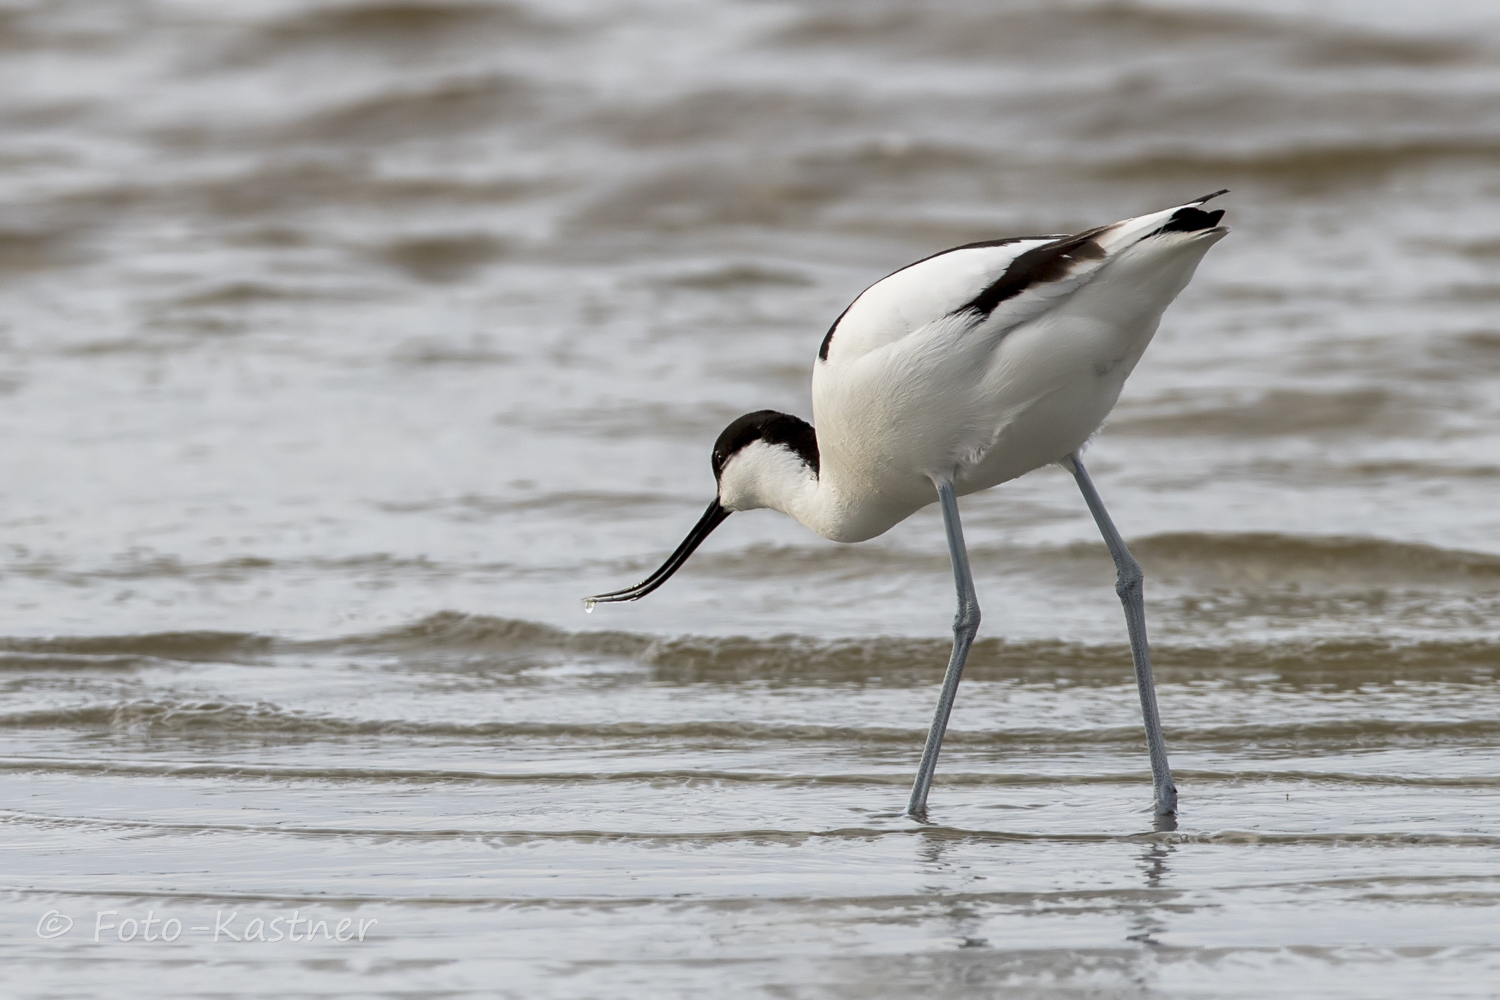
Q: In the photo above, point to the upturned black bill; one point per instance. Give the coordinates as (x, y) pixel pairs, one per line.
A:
(712, 518)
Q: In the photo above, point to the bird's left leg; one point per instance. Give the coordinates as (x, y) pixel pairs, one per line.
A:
(1128, 584)
(965, 627)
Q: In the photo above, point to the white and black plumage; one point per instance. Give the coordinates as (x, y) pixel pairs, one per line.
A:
(961, 371)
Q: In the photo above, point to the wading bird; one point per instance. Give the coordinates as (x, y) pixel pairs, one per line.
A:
(954, 374)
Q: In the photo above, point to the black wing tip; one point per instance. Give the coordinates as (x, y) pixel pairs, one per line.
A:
(1209, 197)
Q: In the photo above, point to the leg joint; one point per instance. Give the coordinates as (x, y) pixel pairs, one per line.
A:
(967, 619)
(1130, 578)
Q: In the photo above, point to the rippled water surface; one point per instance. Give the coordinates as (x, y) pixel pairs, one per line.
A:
(345, 345)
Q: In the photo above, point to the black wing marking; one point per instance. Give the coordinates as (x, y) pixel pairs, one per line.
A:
(1035, 267)
(979, 245)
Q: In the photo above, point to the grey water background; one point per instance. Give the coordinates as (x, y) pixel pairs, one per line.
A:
(344, 346)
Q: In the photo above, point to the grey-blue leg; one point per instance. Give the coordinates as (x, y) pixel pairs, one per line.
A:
(1128, 584)
(965, 626)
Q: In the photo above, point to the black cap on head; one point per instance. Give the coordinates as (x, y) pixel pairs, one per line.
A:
(771, 427)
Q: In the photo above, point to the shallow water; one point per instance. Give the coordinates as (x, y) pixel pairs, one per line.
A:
(345, 346)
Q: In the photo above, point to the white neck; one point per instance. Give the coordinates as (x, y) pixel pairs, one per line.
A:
(767, 475)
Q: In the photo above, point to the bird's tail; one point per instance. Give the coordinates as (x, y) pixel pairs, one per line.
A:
(1185, 218)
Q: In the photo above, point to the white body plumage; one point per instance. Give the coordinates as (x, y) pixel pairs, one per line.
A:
(916, 383)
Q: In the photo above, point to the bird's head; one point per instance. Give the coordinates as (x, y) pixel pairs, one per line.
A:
(752, 455)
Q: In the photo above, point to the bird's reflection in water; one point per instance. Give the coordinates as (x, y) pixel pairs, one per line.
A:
(962, 915)
(1146, 923)
(965, 917)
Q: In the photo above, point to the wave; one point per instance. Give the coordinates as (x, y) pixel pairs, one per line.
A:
(1319, 471)
(441, 258)
(902, 661)
(1269, 558)
(1247, 561)
(567, 503)
(289, 187)
(709, 193)
(1076, 31)
(737, 275)
(897, 827)
(394, 26)
(1195, 777)
(237, 294)
(181, 646)
(164, 716)
(445, 108)
(707, 196)
(1313, 165)
(240, 568)
(720, 114)
(36, 249)
(481, 642)
(167, 717)
(1282, 412)
(49, 662)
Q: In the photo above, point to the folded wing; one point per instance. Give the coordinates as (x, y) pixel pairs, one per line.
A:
(998, 284)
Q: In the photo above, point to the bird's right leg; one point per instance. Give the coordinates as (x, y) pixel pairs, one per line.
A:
(1129, 585)
(965, 626)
